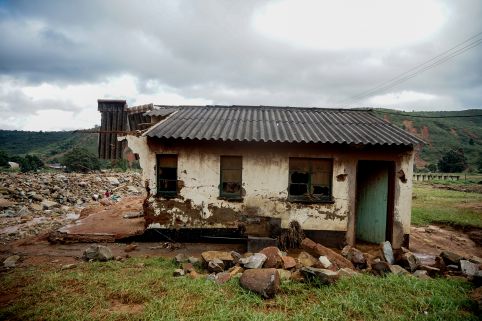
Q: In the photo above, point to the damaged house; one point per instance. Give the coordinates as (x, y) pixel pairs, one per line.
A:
(344, 175)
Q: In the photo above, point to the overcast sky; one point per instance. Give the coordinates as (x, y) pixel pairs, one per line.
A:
(58, 57)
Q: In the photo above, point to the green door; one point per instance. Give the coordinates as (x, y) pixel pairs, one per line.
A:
(372, 201)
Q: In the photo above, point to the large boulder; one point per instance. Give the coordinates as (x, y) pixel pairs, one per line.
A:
(273, 257)
(451, 258)
(97, 253)
(318, 250)
(319, 276)
(265, 282)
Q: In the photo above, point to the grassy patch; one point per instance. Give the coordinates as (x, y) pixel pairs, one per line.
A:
(441, 206)
(124, 291)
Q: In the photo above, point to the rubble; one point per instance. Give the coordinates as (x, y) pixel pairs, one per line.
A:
(97, 253)
(319, 250)
(319, 276)
(36, 203)
(11, 261)
(254, 261)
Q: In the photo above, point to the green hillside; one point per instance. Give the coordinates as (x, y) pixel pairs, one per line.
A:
(441, 134)
(49, 146)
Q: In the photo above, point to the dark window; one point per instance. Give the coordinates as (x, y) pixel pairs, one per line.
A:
(167, 175)
(310, 179)
(231, 177)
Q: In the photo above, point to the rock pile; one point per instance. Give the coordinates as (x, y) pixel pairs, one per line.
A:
(33, 203)
(262, 272)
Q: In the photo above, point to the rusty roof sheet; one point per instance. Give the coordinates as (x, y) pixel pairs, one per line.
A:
(278, 124)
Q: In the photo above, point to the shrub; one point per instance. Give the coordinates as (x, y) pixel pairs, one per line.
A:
(453, 161)
(80, 160)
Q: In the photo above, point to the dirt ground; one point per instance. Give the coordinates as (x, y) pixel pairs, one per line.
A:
(109, 222)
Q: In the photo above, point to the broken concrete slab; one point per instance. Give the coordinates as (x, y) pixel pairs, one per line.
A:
(265, 282)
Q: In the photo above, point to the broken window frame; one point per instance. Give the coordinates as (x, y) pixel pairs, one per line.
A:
(309, 197)
(225, 167)
(168, 193)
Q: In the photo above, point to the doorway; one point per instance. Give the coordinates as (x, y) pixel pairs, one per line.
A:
(374, 201)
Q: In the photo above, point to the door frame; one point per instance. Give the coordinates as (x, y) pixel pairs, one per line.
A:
(390, 198)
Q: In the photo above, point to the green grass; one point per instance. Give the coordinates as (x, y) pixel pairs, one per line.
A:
(441, 206)
(124, 291)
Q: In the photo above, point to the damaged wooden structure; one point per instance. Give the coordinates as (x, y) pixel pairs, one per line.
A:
(344, 175)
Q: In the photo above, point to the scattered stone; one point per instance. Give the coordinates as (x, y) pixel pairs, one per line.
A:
(380, 268)
(421, 274)
(307, 260)
(187, 267)
(132, 189)
(215, 266)
(255, 261)
(297, 276)
(222, 277)
(113, 181)
(211, 277)
(319, 276)
(193, 260)
(180, 258)
(346, 272)
(194, 275)
(355, 256)
(398, 270)
(97, 253)
(265, 282)
(288, 262)
(432, 271)
(130, 247)
(284, 274)
(273, 257)
(319, 250)
(468, 268)
(451, 258)
(220, 255)
(11, 261)
(410, 261)
(178, 272)
(82, 184)
(105, 202)
(236, 257)
(68, 266)
(387, 252)
(325, 262)
(47, 205)
(235, 270)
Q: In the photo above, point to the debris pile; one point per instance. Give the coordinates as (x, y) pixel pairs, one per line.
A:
(34, 203)
(263, 272)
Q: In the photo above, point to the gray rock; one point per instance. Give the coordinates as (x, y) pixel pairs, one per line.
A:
(254, 261)
(47, 205)
(319, 276)
(387, 252)
(132, 189)
(451, 258)
(468, 268)
(265, 282)
(421, 274)
(97, 253)
(410, 261)
(11, 261)
(215, 266)
(356, 256)
(113, 181)
(129, 215)
(380, 268)
(397, 269)
(236, 257)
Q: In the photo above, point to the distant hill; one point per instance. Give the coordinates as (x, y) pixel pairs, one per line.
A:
(441, 134)
(49, 146)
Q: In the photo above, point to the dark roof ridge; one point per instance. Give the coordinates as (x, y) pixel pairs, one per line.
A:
(268, 107)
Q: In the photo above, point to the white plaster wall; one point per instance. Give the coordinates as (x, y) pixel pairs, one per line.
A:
(265, 180)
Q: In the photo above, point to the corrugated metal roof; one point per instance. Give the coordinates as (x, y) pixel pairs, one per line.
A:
(279, 124)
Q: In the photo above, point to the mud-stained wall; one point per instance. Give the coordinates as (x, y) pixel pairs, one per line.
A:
(265, 185)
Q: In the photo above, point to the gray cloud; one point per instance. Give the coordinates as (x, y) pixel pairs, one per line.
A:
(210, 50)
